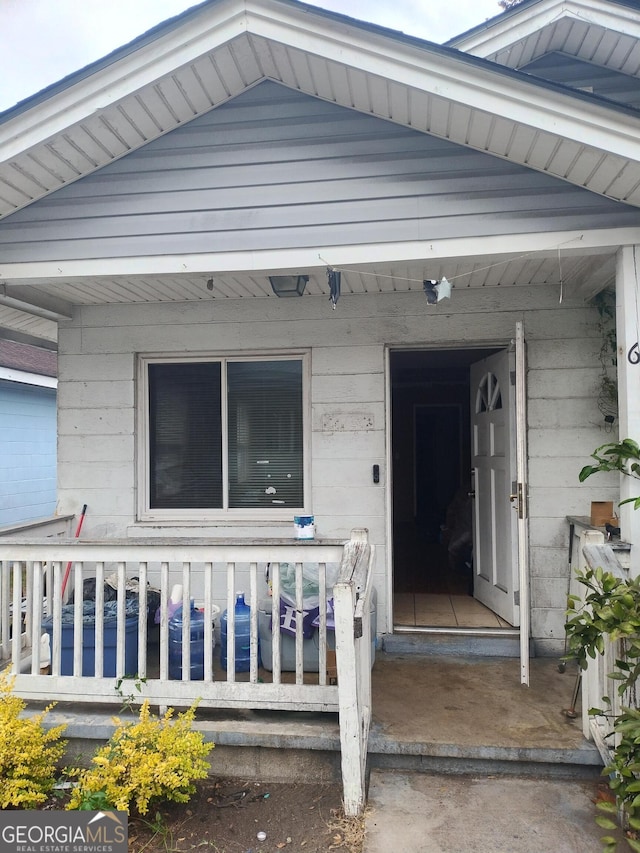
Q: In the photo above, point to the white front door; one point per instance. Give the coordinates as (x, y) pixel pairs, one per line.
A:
(493, 462)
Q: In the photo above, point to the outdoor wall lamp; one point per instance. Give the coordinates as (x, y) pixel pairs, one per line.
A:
(288, 285)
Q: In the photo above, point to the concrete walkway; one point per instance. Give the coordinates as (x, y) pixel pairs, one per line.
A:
(412, 812)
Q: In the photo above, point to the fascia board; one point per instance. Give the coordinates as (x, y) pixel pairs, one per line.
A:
(10, 374)
(282, 260)
(491, 39)
(218, 25)
(476, 84)
(407, 61)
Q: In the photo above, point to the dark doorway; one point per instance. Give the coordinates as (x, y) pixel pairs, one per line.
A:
(430, 422)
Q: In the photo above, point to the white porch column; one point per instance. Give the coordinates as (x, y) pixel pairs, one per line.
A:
(628, 333)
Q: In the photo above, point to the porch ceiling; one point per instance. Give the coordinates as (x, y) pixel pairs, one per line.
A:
(576, 274)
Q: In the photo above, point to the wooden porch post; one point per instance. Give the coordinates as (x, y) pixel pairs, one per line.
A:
(352, 599)
(627, 324)
(353, 781)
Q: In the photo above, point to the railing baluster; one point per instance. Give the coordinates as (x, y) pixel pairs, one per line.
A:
(78, 625)
(56, 614)
(253, 603)
(121, 619)
(143, 614)
(164, 620)
(16, 622)
(231, 621)
(275, 624)
(299, 623)
(186, 621)
(322, 627)
(99, 634)
(34, 606)
(208, 622)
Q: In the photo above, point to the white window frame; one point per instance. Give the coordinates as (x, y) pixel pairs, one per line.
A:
(199, 516)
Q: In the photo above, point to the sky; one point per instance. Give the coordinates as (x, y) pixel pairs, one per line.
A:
(41, 41)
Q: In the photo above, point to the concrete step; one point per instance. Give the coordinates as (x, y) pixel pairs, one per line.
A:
(460, 643)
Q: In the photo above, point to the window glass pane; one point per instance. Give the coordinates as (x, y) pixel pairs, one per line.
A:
(265, 434)
(185, 439)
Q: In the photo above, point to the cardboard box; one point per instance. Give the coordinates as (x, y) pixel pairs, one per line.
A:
(601, 513)
(332, 669)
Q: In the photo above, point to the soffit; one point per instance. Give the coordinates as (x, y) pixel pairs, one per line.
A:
(212, 56)
(604, 33)
(576, 272)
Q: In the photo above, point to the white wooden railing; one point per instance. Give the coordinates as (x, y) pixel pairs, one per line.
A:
(596, 682)
(33, 596)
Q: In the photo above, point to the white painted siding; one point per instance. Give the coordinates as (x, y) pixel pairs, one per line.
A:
(97, 408)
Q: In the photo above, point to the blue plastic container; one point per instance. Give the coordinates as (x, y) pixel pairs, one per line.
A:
(196, 644)
(243, 636)
(109, 635)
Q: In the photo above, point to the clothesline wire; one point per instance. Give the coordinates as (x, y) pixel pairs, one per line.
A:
(460, 275)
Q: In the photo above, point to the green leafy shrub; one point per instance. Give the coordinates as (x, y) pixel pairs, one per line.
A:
(611, 609)
(155, 759)
(29, 754)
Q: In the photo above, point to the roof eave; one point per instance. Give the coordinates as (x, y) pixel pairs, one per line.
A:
(528, 18)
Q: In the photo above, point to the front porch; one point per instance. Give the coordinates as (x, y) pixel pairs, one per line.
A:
(438, 714)
(416, 708)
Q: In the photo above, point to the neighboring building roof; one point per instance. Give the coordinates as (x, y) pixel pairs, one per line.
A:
(28, 358)
(604, 32)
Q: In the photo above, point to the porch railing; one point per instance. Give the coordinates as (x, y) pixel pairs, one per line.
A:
(37, 605)
(596, 682)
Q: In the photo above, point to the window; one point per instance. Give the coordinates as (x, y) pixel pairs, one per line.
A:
(224, 435)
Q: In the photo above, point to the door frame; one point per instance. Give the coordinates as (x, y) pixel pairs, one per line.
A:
(521, 450)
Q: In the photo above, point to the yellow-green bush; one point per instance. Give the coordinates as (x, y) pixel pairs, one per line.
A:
(29, 754)
(155, 759)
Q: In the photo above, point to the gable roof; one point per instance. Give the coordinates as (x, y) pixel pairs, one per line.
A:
(213, 52)
(210, 54)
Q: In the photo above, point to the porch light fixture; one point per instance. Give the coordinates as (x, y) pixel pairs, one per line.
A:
(288, 285)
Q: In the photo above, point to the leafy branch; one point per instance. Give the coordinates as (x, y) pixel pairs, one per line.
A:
(622, 456)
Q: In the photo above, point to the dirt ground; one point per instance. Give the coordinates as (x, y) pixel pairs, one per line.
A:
(226, 815)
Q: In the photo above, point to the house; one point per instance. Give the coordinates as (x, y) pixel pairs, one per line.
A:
(28, 428)
(301, 265)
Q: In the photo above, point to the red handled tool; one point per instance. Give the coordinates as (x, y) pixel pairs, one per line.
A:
(68, 569)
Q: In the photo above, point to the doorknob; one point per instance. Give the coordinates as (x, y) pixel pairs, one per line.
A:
(513, 498)
(471, 494)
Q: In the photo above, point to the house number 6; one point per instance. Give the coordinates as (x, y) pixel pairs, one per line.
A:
(633, 356)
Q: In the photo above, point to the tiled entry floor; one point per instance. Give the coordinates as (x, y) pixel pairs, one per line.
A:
(441, 610)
